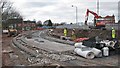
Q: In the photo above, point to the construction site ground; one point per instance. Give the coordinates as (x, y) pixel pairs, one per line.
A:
(13, 56)
(103, 34)
(8, 49)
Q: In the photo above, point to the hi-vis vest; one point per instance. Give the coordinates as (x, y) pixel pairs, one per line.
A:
(65, 31)
(113, 33)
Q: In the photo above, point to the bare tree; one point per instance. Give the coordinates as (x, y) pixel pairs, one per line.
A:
(0, 13)
(5, 5)
(8, 11)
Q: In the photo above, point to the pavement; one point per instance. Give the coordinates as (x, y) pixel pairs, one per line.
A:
(11, 55)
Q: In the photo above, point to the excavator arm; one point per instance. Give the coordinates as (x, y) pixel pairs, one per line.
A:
(87, 14)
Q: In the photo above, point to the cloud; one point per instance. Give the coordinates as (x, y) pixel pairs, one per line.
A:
(39, 4)
(62, 10)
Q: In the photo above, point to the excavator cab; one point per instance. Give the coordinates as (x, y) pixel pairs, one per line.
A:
(100, 24)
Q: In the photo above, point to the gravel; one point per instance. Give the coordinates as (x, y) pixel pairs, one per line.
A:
(41, 61)
(61, 57)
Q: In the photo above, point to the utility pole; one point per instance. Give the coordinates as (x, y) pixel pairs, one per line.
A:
(76, 14)
(98, 7)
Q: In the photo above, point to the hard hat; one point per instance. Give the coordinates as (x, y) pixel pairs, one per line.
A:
(112, 28)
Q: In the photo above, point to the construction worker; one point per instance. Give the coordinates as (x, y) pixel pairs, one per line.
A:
(73, 34)
(113, 33)
(65, 32)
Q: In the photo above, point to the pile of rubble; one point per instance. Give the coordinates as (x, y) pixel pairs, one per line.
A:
(95, 47)
(41, 61)
(61, 57)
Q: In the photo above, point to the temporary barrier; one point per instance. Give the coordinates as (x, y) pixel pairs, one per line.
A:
(106, 51)
(81, 39)
(87, 54)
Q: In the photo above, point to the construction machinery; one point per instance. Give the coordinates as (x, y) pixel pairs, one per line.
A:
(14, 26)
(99, 22)
(12, 32)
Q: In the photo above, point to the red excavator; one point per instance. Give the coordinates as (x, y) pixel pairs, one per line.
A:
(99, 22)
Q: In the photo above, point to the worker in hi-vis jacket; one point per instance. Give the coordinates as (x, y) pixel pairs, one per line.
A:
(73, 34)
(65, 32)
(113, 33)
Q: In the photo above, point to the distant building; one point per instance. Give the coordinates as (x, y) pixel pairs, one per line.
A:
(13, 23)
(39, 22)
(29, 25)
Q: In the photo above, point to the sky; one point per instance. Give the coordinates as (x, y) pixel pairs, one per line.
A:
(62, 11)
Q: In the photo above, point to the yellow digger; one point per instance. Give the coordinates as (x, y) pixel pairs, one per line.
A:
(12, 32)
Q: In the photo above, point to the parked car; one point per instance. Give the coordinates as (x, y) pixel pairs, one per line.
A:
(5, 31)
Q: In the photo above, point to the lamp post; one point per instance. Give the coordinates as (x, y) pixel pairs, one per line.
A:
(98, 7)
(76, 13)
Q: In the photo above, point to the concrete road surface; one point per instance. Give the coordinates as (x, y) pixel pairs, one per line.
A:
(49, 45)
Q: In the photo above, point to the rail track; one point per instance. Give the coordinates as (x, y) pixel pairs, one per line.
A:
(40, 56)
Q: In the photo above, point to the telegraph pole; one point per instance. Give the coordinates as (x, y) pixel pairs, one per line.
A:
(76, 14)
(98, 7)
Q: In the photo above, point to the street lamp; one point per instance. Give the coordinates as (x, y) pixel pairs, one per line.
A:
(76, 14)
(98, 7)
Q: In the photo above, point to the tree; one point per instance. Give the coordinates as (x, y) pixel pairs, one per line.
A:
(71, 23)
(48, 23)
(63, 23)
(8, 12)
(39, 24)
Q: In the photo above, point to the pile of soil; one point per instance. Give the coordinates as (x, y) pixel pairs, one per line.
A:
(103, 34)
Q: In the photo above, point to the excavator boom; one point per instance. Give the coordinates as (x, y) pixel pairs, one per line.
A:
(99, 22)
(87, 14)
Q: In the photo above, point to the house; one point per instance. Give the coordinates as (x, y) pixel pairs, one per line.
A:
(13, 23)
(29, 25)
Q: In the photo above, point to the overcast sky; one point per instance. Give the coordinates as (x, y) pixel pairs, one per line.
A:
(62, 10)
